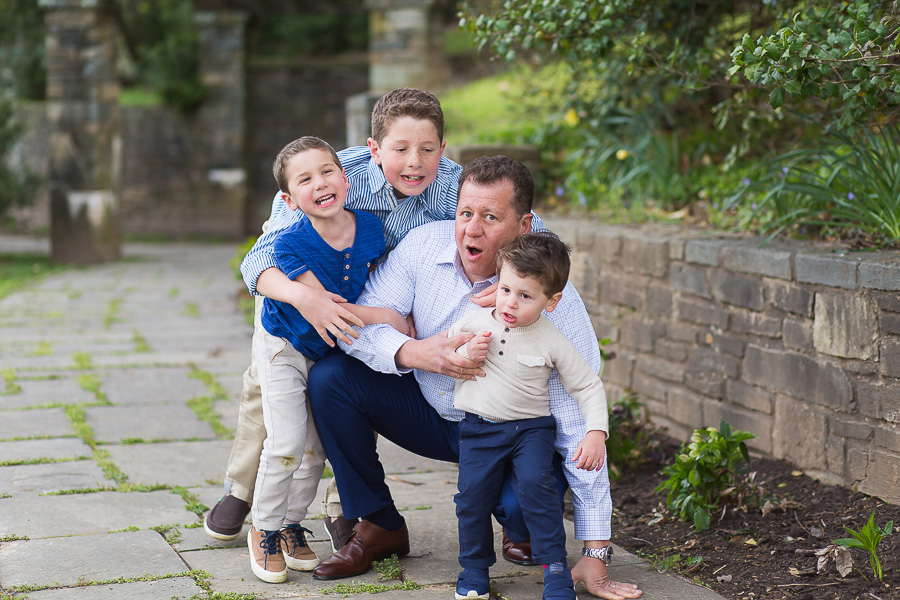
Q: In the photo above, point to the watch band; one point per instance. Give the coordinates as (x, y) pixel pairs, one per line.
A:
(604, 554)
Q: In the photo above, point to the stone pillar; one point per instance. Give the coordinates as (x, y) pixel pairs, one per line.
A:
(359, 117)
(222, 119)
(85, 136)
(406, 45)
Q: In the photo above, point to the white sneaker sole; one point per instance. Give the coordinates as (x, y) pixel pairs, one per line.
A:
(216, 535)
(297, 564)
(267, 576)
(473, 595)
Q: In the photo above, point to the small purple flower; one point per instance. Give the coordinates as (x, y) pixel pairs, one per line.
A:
(746, 181)
(753, 205)
(716, 205)
(581, 199)
(784, 170)
(559, 191)
(850, 196)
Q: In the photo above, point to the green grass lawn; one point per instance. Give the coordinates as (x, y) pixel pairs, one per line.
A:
(18, 270)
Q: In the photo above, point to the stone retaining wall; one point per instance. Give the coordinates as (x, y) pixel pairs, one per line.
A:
(797, 343)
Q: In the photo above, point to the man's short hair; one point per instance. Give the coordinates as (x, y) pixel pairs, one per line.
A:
(294, 148)
(406, 102)
(488, 170)
(544, 257)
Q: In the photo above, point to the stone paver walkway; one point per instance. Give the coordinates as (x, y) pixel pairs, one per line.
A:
(120, 388)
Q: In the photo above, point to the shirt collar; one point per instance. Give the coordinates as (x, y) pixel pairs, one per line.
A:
(377, 181)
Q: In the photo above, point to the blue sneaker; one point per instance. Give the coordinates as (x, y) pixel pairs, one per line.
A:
(474, 583)
(558, 583)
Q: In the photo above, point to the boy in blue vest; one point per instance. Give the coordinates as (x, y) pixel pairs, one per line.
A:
(333, 249)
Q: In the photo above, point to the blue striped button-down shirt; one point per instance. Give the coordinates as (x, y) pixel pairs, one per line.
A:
(424, 276)
(371, 192)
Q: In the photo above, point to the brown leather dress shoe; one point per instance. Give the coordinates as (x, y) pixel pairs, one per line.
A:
(369, 542)
(519, 554)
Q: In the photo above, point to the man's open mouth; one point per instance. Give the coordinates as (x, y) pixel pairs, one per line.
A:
(472, 253)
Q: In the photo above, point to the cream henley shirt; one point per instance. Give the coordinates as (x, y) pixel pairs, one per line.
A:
(517, 369)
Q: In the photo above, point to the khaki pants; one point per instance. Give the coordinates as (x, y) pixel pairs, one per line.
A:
(243, 464)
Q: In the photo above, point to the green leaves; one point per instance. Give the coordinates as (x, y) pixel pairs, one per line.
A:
(705, 472)
(868, 538)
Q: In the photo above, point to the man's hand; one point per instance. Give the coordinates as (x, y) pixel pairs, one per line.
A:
(487, 296)
(477, 347)
(594, 575)
(591, 451)
(437, 354)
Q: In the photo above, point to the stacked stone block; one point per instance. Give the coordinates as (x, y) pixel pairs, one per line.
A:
(796, 343)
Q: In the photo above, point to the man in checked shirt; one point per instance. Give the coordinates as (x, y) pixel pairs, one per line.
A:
(402, 387)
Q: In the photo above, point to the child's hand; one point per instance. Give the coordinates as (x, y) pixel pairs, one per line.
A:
(487, 296)
(477, 347)
(591, 451)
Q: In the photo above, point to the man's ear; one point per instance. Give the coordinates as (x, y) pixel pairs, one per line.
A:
(554, 301)
(525, 223)
(374, 150)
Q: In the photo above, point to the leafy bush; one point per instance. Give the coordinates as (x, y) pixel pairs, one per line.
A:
(630, 441)
(22, 47)
(17, 186)
(868, 538)
(706, 472)
(850, 183)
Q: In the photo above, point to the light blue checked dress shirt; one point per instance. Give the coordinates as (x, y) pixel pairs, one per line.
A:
(424, 276)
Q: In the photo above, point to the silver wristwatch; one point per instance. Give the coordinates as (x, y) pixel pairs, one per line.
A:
(604, 554)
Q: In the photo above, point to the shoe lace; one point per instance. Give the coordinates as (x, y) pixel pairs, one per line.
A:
(295, 535)
(271, 541)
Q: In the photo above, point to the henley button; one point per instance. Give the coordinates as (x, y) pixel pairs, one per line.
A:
(346, 278)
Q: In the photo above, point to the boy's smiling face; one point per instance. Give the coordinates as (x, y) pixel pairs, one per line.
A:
(316, 185)
(409, 155)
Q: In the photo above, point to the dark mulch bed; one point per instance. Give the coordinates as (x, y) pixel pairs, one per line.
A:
(748, 556)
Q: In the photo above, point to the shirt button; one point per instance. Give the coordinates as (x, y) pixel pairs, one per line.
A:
(346, 256)
(346, 278)
(507, 329)
(501, 353)
(368, 264)
(346, 266)
(442, 393)
(502, 341)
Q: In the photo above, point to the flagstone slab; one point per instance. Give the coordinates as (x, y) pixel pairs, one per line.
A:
(151, 386)
(36, 449)
(52, 477)
(47, 391)
(188, 464)
(51, 422)
(78, 514)
(397, 461)
(174, 588)
(164, 422)
(61, 561)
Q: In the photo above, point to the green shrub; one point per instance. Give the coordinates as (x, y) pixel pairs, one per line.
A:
(711, 465)
(17, 186)
(630, 441)
(848, 182)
